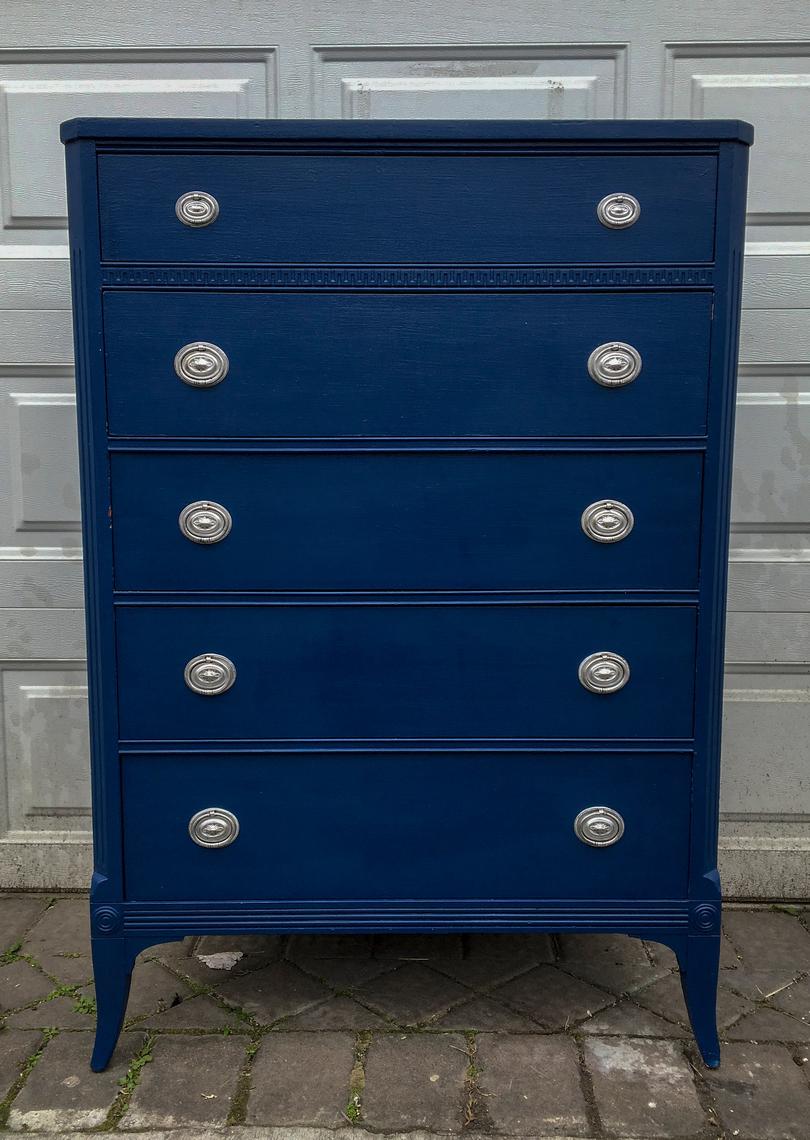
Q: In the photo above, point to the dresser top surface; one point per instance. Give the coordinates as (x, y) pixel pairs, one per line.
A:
(514, 130)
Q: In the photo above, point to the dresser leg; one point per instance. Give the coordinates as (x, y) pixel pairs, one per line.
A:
(699, 961)
(113, 959)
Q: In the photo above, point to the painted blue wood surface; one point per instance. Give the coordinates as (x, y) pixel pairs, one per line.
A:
(414, 441)
(463, 520)
(408, 209)
(400, 825)
(424, 365)
(393, 671)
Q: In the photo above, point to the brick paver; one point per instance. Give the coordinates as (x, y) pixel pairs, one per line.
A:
(189, 1081)
(761, 1094)
(412, 994)
(553, 998)
(16, 1045)
(21, 984)
(517, 1035)
(415, 1081)
(273, 992)
(531, 1085)
(62, 1093)
(19, 913)
(643, 1088)
(302, 1078)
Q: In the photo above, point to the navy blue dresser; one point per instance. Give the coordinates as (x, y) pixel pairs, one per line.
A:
(406, 452)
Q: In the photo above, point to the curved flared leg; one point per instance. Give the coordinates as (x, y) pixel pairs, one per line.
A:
(113, 959)
(699, 960)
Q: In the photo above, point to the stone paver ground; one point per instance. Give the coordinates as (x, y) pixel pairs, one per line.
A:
(303, 1037)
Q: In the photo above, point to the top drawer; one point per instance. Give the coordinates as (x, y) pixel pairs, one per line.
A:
(407, 208)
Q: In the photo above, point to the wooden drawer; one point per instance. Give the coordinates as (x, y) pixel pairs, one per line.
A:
(400, 671)
(365, 209)
(394, 365)
(462, 520)
(407, 825)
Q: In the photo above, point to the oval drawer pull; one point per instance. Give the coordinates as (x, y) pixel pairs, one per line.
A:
(599, 826)
(197, 208)
(213, 827)
(604, 672)
(614, 364)
(200, 364)
(205, 522)
(607, 521)
(210, 674)
(618, 211)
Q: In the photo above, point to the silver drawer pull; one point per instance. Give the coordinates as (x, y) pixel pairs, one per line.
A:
(618, 211)
(599, 826)
(604, 672)
(200, 364)
(213, 827)
(196, 208)
(607, 521)
(614, 364)
(210, 674)
(205, 522)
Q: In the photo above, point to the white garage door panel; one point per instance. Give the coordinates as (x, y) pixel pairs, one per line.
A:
(370, 59)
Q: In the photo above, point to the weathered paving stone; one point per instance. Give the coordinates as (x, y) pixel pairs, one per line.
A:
(630, 1020)
(552, 998)
(62, 1093)
(534, 948)
(190, 1081)
(412, 994)
(301, 1078)
(153, 989)
(304, 946)
(485, 1013)
(60, 941)
(58, 1013)
(796, 1000)
(417, 947)
(21, 984)
(613, 961)
(484, 973)
(760, 1093)
(269, 946)
(19, 913)
(16, 1045)
(665, 997)
(415, 1081)
(768, 1025)
(531, 1085)
(643, 1088)
(346, 973)
(194, 1013)
(338, 1013)
(65, 926)
(769, 939)
(276, 991)
(756, 985)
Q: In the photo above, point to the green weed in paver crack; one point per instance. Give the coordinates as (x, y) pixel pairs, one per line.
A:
(129, 1082)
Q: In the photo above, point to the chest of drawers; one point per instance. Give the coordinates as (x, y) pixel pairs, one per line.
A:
(405, 462)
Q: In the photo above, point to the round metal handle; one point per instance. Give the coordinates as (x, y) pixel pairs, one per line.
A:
(200, 364)
(618, 211)
(196, 208)
(213, 827)
(607, 521)
(205, 522)
(614, 364)
(604, 672)
(599, 826)
(210, 674)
